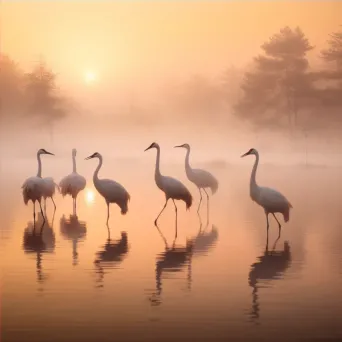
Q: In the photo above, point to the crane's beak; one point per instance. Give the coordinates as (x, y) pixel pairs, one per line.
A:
(49, 153)
(246, 154)
(149, 147)
(178, 146)
(88, 157)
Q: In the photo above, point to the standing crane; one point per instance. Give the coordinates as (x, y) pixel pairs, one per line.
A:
(171, 187)
(34, 187)
(73, 183)
(110, 190)
(271, 200)
(201, 178)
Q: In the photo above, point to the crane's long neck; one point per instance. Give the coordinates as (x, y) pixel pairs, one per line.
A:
(187, 164)
(157, 174)
(39, 173)
(96, 173)
(74, 163)
(253, 184)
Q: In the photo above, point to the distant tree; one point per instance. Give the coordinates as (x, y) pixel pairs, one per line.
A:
(331, 76)
(334, 53)
(11, 87)
(44, 99)
(280, 82)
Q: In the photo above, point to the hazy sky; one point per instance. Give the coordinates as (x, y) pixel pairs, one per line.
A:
(146, 41)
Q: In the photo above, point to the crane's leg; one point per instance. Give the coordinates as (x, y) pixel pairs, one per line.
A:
(199, 204)
(45, 205)
(108, 232)
(34, 215)
(279, 225)
(268, 225)
(75, 206)
(107, 214)
(176, 216)
(41, 210)
(54, 204)
(155, 221)
(207, 205)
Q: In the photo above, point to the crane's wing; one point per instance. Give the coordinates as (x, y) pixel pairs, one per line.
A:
(271, 198)
(112, 190)
(205, 179)
(173, 188)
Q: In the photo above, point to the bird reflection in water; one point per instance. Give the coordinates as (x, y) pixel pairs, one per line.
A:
(39, 242)
(110, 256)
(271, 266)
(173, 259)
(204, 240)
(73, 230)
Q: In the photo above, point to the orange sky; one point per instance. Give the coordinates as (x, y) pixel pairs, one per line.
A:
(149, 40)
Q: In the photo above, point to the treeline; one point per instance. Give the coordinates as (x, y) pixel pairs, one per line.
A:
(34, 93)
(280, 89)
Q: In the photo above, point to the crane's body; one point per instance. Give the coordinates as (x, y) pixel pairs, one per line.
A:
(73, 183)
(172, 188)
(271, 200)
(201, 178)
(34, 188)
(110, 190)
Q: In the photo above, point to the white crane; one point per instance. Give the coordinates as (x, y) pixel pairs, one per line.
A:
(73, 183)
(201, 178)
(271, 200)
(34, 187)
(110, 190)
(172, 187)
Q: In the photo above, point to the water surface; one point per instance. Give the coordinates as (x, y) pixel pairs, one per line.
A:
(215, 282)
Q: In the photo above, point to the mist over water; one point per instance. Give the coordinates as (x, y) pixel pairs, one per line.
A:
(73, 283)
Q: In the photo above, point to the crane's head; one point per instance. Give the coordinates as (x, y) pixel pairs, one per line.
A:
(250, 152)
(74, 152)
(153, 145)
(43, 151)
(187, 146)
(94, 155)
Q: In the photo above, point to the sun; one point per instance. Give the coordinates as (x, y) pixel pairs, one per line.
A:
(89, 196)
(90, 77)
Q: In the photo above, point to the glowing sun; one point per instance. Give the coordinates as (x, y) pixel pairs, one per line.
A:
(90, 196)
(90, 77)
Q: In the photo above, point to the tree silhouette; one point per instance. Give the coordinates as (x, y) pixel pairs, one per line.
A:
(279, 82)
(334, 52)
(44, 100)
(331, 94)
(11, 87)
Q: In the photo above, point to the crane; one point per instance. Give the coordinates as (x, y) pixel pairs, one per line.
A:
(110, 190)
(73, 183)
(201, 178)
(172, 187)
(34, 187)
(271, 200)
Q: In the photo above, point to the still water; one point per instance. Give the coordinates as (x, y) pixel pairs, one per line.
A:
(215, 282)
